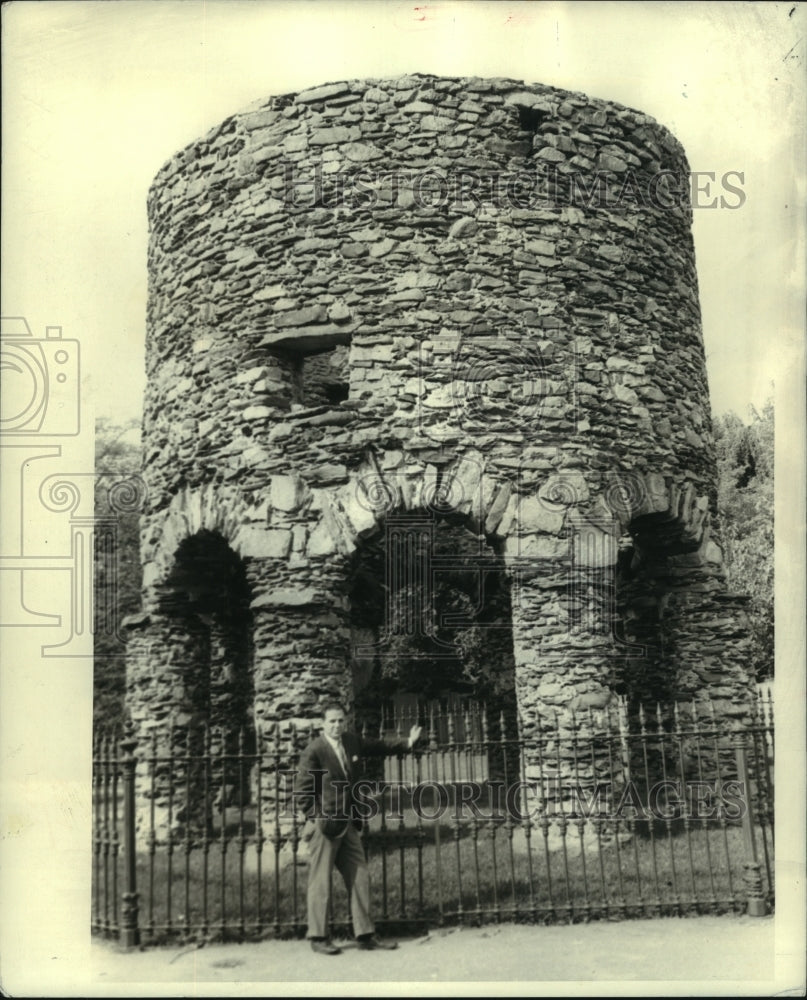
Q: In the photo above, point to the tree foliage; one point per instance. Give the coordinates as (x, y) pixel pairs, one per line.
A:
(745, 505)
(435, 658)
(117, 567)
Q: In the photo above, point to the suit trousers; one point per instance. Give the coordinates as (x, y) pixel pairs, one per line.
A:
(346, 854)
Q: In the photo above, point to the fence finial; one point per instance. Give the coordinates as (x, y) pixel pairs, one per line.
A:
(432, 730)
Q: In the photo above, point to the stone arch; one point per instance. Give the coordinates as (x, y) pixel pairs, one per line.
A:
(672, 597)
(210, 508)
(387, 485)
(400, 572)
(391, 481)
(431, 632)
(190, 683)
(664, 513)
(207, 592)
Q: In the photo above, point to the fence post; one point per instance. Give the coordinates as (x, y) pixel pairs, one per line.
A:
(752, 878)
(129, 931)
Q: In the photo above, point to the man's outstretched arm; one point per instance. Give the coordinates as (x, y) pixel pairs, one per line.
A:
(379, 748)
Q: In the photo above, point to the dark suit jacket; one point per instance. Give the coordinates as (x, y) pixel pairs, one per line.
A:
(324, 791)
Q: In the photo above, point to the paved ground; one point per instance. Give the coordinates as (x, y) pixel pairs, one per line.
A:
(724, 954)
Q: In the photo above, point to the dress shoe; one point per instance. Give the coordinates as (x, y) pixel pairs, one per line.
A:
(324, 947)
(370, 942)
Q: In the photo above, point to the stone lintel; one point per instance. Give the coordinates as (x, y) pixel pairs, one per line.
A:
(308, 339)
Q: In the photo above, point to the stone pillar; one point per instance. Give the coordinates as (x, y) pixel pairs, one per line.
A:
(230, 715)
(706, 641)
(167, 685)
(697, 651)
(696, 635)
(302, 654)
(569, 650)
(301, 660)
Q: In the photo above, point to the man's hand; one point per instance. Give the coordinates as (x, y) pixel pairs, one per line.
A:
(414, 735)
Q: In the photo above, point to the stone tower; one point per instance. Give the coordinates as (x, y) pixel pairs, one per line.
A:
(399, 328)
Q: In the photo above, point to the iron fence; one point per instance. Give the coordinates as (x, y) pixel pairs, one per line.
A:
(608, 815)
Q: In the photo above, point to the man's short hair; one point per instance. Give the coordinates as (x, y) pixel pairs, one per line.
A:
(333, 706)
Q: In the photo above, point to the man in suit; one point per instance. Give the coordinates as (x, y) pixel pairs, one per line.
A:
(326, 779)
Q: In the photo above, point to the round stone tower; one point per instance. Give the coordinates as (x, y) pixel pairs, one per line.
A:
(410, 327)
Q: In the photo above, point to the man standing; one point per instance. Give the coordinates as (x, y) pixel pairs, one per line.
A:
(326, 779)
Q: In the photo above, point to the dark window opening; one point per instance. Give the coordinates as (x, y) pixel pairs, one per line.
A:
(531, 119)
(322, 379)
(337, 392)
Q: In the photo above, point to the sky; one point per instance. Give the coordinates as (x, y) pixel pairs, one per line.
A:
(97, 96)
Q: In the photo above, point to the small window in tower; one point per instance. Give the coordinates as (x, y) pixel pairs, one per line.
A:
(323, 379)
(531, 119)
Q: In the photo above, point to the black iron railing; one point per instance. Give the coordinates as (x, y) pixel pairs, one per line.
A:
(605, 815)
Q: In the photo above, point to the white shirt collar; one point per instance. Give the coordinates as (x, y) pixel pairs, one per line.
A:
(337, 745)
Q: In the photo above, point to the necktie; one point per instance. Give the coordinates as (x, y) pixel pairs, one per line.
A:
(342, 756)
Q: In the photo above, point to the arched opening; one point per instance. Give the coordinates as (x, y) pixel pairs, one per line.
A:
(207, 587)
(207, 596)
(666, 587)
(432, 640)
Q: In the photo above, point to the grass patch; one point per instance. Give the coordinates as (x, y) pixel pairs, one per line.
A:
(438, 873)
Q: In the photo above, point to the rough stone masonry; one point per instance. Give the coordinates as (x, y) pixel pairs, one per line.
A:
(381, 310)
